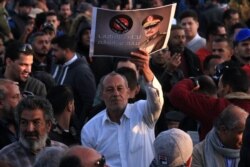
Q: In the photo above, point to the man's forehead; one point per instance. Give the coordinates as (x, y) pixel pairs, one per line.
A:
(32, 114)
(113, 79)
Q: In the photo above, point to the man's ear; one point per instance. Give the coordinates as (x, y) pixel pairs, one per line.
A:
(71, 106)
(8, 61)
(49, 125)
(227, 88)
(222, 129)
(138, 87)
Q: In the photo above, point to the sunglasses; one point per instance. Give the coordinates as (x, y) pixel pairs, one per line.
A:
(26, 48)
(101, 162)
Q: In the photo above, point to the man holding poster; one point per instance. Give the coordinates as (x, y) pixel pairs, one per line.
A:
(154, 39)
(124, 132)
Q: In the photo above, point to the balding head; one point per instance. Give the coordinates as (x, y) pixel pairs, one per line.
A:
(230, 125)
(82, 156)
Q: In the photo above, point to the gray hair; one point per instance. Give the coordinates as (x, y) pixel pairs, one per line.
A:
(230, 117)
(49, 157)
(3, 89)
(112, 74)
(32, 103)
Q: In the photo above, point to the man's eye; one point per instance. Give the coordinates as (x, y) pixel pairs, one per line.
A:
(23, 122)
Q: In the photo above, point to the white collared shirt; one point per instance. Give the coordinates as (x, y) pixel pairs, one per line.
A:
(130, 143)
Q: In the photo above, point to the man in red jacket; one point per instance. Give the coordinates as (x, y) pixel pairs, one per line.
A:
(233, 88)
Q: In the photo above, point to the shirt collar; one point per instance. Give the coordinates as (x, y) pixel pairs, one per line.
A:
(126, 114)
(70, 61)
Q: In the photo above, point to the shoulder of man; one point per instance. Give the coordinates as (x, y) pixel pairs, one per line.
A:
(57, 144)
(10, 149)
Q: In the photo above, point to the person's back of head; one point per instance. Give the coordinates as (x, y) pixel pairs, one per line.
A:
(173, 148)
(207, 86)
(130, 75)
(59, 97)
(49, 157)
(236, 78)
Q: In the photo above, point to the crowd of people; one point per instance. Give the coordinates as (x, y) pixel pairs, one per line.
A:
(184, 105)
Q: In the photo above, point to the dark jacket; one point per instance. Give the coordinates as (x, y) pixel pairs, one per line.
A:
(33, 85)
(82, 81)
(67, 138)
(7, 137)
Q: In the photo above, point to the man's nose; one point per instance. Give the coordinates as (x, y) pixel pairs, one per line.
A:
(28, 69)
(116, 92)
(30, 127)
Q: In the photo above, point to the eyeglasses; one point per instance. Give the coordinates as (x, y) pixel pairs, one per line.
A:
(26, 48)
(101, 162)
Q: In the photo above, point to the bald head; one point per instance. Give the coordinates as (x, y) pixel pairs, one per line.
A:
(82, 156)
(230, 117)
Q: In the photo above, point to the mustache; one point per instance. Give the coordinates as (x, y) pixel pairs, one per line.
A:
(31, 134)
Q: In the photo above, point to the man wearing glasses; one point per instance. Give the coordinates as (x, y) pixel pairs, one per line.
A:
(154, 38)
(18, 60)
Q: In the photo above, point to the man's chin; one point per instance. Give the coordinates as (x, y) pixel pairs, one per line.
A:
(32, 143)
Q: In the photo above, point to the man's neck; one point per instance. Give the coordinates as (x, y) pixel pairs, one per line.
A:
(8, 75)
(189, 38)
(63, 122)
(115, 116)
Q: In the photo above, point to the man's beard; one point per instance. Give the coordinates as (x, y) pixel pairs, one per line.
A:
(42, 54)
(34, 146)
(60, 61)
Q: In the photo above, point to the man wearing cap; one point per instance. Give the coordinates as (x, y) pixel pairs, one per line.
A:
(173, 148)
(154, 39)
(221, 147)
(242, 47)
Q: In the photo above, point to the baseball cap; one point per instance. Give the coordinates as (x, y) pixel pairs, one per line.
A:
(242, 35)
(173, 148)
(151, 20)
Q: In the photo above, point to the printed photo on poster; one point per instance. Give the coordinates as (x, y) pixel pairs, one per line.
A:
(117, 33)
